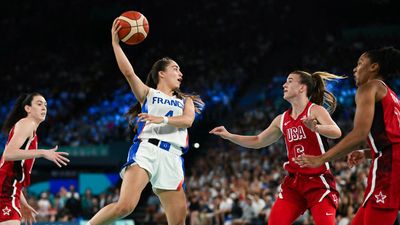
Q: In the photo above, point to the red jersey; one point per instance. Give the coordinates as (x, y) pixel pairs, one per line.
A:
(16, 174)
(384, 141)
(300, 140)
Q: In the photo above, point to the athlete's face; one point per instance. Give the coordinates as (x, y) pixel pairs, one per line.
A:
(172, 75)
(38, 108)
(364, 70)
(292, 87)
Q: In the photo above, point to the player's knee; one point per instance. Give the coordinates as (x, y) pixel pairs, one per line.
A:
(123, 210)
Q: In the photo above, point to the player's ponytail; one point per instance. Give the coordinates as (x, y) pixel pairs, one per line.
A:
(316, 88)
(18, 111)
(198, 103)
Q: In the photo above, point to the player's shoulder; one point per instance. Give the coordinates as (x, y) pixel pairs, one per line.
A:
(152, 91)
(372, 85)
(24, 124)
(370, 88)
(317, 108)
(278, 119)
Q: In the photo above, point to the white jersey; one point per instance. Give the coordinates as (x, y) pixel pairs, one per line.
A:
(160, 104)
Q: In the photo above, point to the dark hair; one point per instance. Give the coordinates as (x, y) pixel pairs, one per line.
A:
(18, 111)
(152, 81)
(316, 88)
(388, 59)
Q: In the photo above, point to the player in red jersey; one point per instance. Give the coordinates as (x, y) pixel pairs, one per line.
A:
(304, 126)
(377, 120)
(19, 155)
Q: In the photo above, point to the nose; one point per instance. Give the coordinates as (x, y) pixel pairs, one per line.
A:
(355, 69)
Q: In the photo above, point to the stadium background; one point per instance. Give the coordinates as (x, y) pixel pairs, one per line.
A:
(236, 54)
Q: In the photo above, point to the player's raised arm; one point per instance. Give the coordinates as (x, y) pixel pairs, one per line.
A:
(139, 89)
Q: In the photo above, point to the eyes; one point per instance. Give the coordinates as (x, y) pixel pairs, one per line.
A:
(42, 104)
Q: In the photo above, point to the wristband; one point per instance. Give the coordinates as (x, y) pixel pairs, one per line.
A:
(165, 120)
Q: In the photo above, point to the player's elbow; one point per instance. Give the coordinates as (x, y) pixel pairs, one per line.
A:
(361, 135)
(257, 143)
(188, 121)
(337, 134)
(187, 124)
(8, 155)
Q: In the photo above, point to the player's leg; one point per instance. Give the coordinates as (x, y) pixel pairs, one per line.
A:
(324, 213)
(135, 180)
(285, 212)
(370, 216)
(174, 204)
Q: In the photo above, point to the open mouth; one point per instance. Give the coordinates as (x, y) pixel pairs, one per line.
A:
(180, 80)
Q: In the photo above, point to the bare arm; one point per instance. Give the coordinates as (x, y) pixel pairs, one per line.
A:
(265, 138)
(186, 119)
(28, 213)
(365, 109)
(183, 121)
(365, 101)
(321, 122)
(138, 88)
(23, 199)
(23, 130)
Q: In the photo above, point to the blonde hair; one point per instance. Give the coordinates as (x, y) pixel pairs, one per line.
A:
(316, 88)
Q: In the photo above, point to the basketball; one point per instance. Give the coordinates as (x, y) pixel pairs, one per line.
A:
(134, 27)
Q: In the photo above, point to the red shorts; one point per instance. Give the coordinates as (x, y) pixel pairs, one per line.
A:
(308, 191)
(8, 212)
(370, 215)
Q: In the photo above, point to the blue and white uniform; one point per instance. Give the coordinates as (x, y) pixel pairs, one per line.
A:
(157, 148)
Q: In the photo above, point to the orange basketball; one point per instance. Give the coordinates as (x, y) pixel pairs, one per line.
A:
(134, 27)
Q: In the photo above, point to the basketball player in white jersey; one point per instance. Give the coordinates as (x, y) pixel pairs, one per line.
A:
(163, 115)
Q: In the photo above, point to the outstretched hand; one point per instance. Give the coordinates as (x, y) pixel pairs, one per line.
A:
(310, 123)
(220, 131)
(150, 118)
(56, 157)
(355, 158)
(28, 214)
(312, 161)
